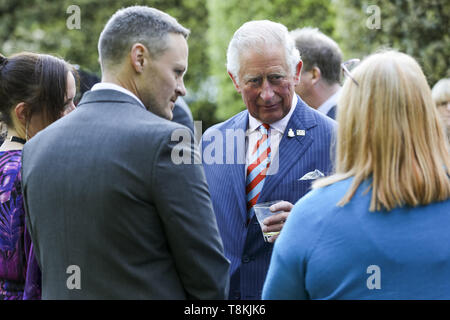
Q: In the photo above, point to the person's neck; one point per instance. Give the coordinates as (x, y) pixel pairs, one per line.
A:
(123, 82)
(11, 145)
(324, 93)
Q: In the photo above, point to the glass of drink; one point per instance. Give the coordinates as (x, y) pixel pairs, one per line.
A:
(262, 212)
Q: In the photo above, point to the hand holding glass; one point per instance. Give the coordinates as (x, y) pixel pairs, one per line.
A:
(262, 211)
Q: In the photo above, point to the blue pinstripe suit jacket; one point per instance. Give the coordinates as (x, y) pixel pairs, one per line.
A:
(244, 245)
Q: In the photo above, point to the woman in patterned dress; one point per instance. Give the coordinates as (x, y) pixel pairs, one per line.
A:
(35, 90)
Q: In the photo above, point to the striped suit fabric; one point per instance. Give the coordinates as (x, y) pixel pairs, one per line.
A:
(243, 242)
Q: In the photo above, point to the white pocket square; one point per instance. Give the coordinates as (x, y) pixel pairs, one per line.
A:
(316, 174)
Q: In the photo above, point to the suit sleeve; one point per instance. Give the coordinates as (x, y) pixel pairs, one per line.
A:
(185, 209)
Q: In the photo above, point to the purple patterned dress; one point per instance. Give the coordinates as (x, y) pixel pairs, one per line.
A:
(19, 272)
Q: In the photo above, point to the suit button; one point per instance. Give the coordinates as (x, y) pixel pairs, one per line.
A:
(245, 259)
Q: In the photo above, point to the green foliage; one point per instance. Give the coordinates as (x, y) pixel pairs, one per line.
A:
(418, 28)
(225, 17)
(40, 26)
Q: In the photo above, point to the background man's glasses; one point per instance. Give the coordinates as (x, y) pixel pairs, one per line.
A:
(348, 66)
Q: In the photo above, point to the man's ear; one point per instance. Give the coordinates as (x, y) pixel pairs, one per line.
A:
(138, 57)
(298, 70)
(316, 75)
(236, 85)
(21, 112)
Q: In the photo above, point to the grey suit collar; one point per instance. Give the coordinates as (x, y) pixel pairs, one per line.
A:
(107, 95)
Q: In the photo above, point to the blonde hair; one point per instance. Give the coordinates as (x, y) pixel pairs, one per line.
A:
(389, 132)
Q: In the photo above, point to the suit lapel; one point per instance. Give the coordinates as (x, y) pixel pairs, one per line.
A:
(291, 149)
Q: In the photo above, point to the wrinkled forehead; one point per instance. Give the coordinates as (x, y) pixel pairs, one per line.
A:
(263, 60)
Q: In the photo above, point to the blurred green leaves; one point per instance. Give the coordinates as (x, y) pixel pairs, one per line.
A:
(419, 28)
(225, 17)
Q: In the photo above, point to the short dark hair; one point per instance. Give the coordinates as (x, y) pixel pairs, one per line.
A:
(319, 50)
(39, 80)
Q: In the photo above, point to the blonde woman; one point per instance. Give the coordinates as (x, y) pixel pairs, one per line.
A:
(441, 96)
(378, 228)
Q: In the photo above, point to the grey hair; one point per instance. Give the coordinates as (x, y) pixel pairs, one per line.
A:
(257, 34)
(135, 24)
(441, 91)
(319, 50)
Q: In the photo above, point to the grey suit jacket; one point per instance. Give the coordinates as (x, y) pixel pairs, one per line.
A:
(102, 194)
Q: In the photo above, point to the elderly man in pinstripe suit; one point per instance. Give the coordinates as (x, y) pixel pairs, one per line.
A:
(284, 140)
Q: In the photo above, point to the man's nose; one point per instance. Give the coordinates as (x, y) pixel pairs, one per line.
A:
(266, 91)
(181, 89)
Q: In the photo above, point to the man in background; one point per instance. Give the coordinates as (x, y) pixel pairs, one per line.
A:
(319, 83)
(182, 114)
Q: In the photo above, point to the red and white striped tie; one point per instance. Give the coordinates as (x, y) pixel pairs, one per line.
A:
(257, 169)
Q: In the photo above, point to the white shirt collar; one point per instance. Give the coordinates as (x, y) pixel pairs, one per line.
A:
(280, 125)
(330, 103)
(113, 86)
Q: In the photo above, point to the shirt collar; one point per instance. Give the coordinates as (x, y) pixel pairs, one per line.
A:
(330, 103)
(280, 125)
(113, 86)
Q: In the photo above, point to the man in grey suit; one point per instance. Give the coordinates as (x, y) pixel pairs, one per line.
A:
(111, 216)
(320, 85)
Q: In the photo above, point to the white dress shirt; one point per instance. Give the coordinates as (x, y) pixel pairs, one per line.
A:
(330, 103)
(112, 86)
(276, 132)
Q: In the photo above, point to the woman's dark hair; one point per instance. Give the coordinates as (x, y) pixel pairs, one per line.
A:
(39, 80)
